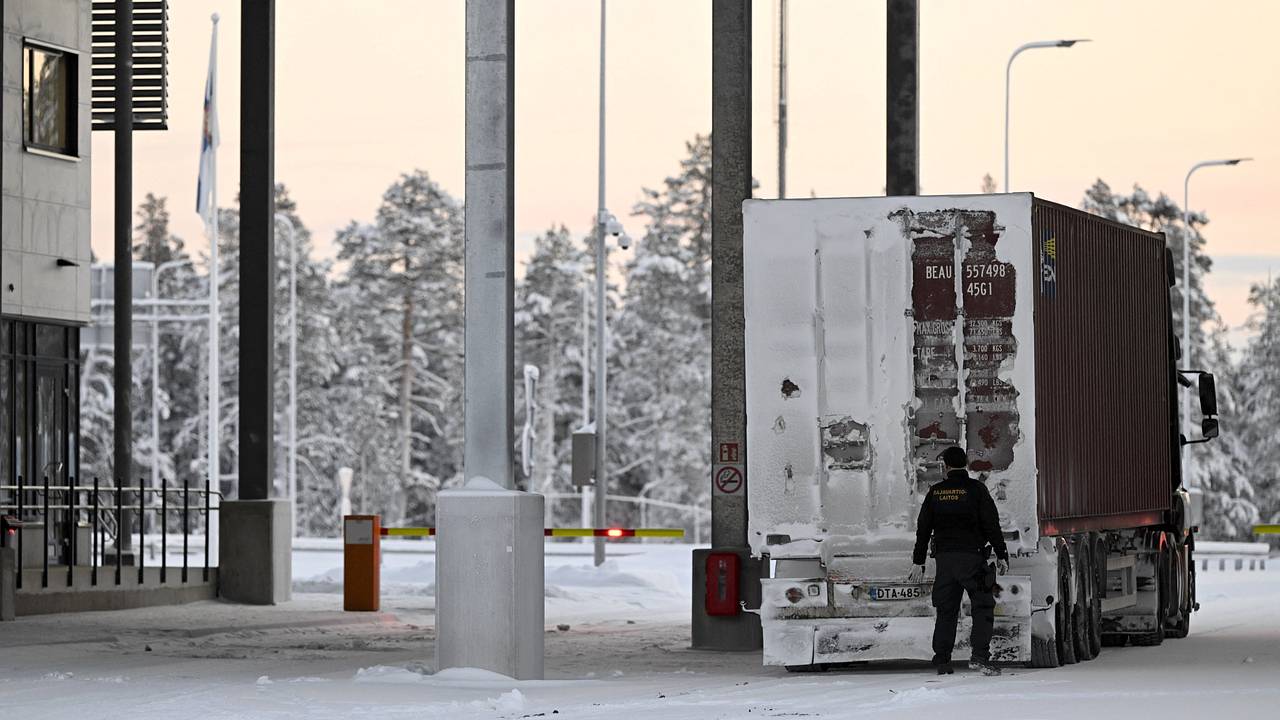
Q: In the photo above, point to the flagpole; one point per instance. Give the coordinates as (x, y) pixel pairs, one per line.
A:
(214, 482)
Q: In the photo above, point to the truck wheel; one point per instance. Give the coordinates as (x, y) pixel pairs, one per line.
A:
(1099, 575)
(1084, 605)
(1152, 639)
(1044, 653)
(1064, 611)
(1186, 571)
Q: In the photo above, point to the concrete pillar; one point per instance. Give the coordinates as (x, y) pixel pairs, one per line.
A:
(490, 240)
(489, 551)
(731, 185)
(255, 532)
(902, 103)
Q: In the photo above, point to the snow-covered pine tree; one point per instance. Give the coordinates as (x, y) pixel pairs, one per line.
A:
(549, 336)
(1221, 467)
(403, 292)
(661, 355)
(1260, 388)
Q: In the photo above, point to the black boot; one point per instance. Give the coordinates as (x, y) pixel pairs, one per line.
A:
(945, 669)
(984, 666)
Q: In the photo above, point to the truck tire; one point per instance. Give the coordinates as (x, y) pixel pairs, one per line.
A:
(1098, 550)
(1152, 639)
(1084, 603)
(1044, 653)
(1185, 571)
(1064, 611)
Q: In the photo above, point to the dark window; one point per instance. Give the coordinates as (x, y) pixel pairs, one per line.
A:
(49, 99)
(51, 341)
(39, 418)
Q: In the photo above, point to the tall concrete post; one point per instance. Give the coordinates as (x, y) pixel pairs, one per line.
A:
(489, 552)
(255, 539)
(731, 185)
(902, 103)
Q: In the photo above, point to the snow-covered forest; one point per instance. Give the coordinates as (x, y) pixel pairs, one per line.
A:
(380, 358)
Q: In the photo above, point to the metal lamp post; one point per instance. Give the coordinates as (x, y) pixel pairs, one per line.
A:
(293, 371)
(155, 366)
(1008, 74)
(1186, 288)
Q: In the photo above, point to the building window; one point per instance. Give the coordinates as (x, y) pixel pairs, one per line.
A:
(39, 420)
(49, 99)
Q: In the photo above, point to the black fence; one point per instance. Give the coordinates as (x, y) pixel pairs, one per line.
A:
(92, 526)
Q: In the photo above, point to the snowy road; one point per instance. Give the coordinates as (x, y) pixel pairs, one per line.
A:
(625, 654)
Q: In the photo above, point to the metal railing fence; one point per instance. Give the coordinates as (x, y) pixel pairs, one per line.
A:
(75, 520)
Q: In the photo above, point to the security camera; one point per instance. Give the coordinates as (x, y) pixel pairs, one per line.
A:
(613, 227)
(624, 241)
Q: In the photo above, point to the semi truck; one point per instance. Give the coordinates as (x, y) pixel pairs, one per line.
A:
(882, 331)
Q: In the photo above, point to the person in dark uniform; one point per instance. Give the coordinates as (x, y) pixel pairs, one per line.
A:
(960, 516)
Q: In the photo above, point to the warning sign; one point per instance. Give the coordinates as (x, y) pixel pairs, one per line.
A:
(728, 479)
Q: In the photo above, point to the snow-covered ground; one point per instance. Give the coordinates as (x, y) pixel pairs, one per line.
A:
(624, 654)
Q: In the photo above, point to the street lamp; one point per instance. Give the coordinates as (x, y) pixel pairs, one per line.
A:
(155, 365)
(1186, 287)
(293, 371)
(1008, 74)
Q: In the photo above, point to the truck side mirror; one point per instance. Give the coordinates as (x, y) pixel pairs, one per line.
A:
(1208, 397)
(1209, 428)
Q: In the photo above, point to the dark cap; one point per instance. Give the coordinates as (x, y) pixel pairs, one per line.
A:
(955, 458)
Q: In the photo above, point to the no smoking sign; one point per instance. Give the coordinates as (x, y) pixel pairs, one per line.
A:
(728, 479)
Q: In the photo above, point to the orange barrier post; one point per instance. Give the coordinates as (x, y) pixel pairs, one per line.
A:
(361, 562)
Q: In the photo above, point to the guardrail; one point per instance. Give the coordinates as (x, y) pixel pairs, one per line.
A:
(1232, 555)
(70, 522)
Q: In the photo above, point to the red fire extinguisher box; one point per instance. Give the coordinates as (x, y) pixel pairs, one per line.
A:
(723, 570)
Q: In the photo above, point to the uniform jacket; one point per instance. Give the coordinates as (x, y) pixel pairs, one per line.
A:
(960, 516)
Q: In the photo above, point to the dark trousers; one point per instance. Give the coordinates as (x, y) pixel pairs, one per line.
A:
(960, 573)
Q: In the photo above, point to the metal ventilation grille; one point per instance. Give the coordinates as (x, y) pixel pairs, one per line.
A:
(150, 64)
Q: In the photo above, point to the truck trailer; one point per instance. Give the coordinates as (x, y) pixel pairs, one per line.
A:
(882, 331)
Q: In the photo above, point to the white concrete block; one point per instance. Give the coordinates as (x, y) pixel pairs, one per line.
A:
(13, 16)
(12, 77)
(53, 21)
(11, 167)
(489, 580)
(51, 179)
(11, 277)
(12, 129)
(11, 217)
(39, 227)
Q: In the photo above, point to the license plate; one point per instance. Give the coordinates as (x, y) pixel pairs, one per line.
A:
(894, 592)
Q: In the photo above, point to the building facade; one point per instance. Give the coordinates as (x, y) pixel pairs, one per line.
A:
(44, 289)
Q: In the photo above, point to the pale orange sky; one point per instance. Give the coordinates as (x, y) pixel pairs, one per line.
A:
(368, 89)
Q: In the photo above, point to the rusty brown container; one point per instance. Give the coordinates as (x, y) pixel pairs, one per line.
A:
(1105, 423)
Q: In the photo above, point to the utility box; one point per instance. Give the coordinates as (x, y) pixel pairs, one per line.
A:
(361, 562)
(584, 456)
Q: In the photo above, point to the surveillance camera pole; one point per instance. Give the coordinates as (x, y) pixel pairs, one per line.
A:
(601, 485)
